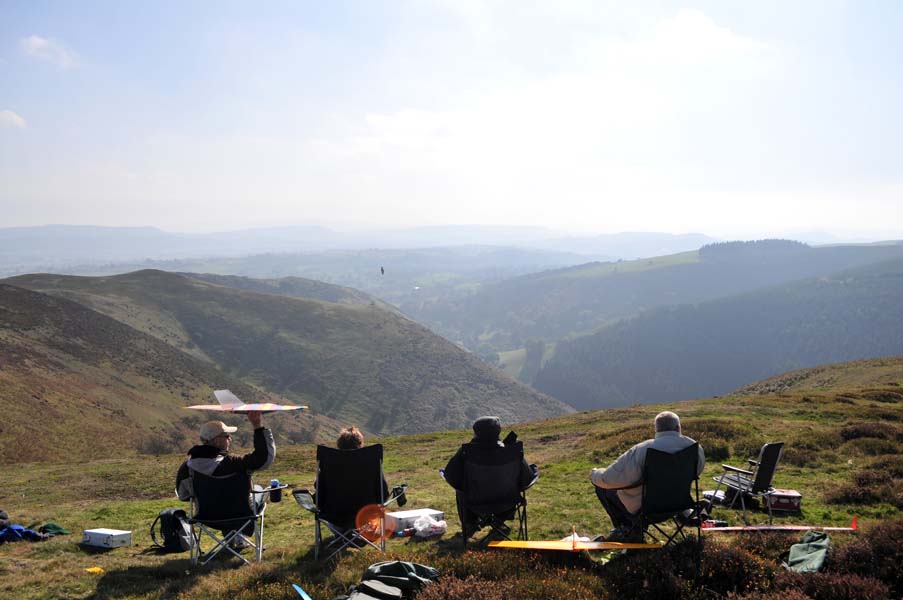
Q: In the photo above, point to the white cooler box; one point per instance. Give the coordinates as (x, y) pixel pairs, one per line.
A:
(404, 519)
(107, 538)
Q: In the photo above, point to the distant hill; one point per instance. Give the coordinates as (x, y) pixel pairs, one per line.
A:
(554, 304)
(54, 247)
(356, 363)
(629, 245)
(76, 384)
(711, 348)
(860, 375)
(294, 287)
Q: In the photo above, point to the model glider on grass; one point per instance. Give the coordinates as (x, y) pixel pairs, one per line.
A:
(854, 526)
(229, 402)
(570, 546)
(571, 543)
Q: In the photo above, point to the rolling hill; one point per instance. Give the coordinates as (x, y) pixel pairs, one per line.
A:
(76, 384)
(356, 363)
(552, 305)
(294, 287)
(714, 347)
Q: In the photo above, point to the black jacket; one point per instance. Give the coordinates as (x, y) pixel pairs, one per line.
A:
(210, 460)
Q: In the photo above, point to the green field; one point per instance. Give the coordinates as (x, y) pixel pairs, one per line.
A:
(836, 435)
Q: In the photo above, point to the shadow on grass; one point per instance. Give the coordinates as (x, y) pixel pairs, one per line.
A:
(165, 580)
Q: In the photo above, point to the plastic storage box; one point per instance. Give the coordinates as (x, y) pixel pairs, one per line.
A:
(405, 518)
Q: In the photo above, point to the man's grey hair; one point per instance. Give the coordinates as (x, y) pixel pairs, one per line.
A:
(667, 421)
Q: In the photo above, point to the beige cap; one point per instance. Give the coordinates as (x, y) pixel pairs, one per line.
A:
(211, 429)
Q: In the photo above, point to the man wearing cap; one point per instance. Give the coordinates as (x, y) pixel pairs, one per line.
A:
(486, 432)
(212, 456)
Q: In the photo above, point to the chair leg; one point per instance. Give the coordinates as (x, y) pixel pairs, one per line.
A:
(318, 538)
(259, 540)
(524, 533)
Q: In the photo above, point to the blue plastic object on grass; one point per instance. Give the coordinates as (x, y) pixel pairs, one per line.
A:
(301, 592)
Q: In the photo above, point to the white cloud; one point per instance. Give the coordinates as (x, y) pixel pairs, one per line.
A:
(49, 50)
(10, 119)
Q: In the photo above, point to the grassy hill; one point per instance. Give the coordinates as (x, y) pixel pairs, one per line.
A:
(554, 304)
(353, 362)
(843, 453)
(714, 347)
(294, 287)
(76, 384)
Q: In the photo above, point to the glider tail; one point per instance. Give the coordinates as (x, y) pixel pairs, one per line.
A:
(227, 398)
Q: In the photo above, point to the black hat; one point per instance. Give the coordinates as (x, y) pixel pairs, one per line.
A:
(487, 429)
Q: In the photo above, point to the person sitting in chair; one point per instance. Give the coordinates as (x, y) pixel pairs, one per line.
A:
(486, 431)
(351, 438)
(211, 456)
(613, 485)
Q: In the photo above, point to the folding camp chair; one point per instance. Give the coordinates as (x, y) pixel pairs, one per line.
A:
(224, 504)
(347, 482)
(493, 492)
(670, 492)
(756, 482)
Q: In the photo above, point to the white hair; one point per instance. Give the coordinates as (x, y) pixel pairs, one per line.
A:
(667, 421)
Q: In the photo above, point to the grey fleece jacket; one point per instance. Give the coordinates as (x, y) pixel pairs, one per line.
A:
(628, 468)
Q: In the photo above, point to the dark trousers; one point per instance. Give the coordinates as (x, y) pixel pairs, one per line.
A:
(619, 515)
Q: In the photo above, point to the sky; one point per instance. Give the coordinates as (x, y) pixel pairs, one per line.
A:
(734, 119)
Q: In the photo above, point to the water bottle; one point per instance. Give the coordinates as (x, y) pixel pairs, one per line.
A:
(275, 495)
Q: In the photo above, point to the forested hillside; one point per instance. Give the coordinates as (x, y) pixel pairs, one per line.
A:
(554, 304)
(357, 363)
(714, 347)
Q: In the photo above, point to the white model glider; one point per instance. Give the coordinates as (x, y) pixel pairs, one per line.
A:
(229, 402)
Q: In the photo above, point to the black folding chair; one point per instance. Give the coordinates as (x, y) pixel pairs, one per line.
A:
(226, 504)
(493, 492)
(670, 492)
(348, 481)
(754, 482)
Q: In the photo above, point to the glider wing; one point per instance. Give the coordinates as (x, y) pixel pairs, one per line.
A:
(229, 402)
(569, 546)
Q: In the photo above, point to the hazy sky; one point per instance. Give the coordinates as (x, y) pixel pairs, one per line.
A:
(727, 118)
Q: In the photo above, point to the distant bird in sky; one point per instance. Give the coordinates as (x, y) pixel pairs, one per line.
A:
(382, 271)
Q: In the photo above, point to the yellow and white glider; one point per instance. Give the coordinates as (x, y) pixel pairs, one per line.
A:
(229, 402)
(571, 546)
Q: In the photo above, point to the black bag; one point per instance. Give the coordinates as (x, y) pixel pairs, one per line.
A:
(174, 529)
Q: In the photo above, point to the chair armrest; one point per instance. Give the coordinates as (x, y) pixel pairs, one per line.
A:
(442, 474)
(737, 470)
(753, 463)
(397, 495)
(305, 500)
(630, 486)
(533, 481)
(267, 490)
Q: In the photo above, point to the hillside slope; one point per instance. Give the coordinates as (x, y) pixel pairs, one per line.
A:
(842, 453)
(356, 363)
(76, 384)
(714, 347)
(554, 304)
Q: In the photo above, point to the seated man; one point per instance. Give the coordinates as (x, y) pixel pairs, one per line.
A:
(212, 456)
(486, 431)
(622, 502)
